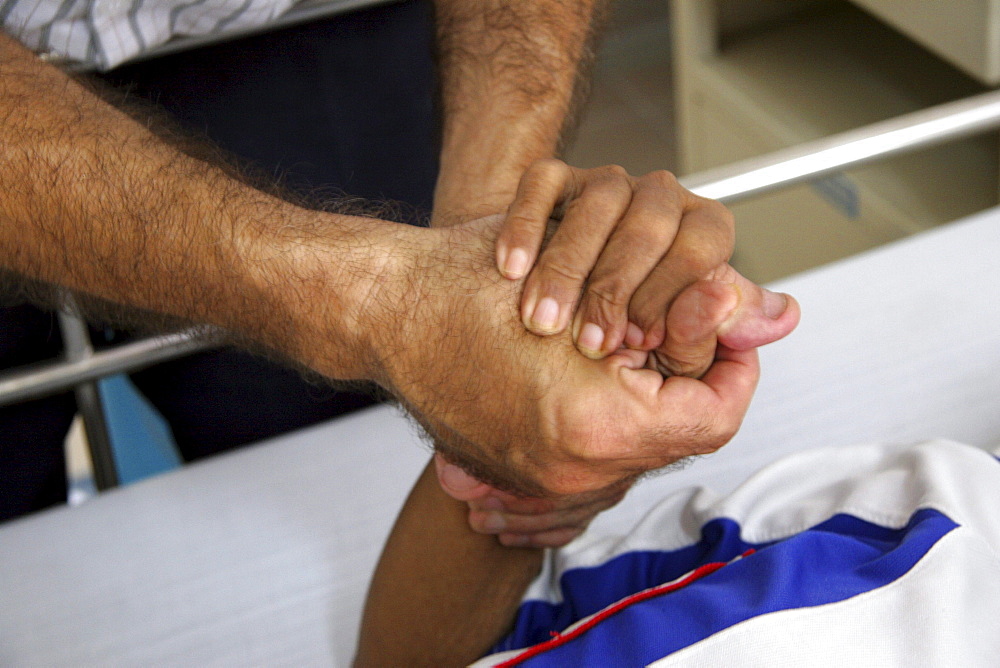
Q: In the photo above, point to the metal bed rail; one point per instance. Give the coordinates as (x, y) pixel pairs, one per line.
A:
(82, 367)
(811, 160)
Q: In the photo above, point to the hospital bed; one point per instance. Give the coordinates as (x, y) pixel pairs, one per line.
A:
(262, 557)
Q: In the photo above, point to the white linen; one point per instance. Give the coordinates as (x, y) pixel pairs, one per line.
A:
(260, 557)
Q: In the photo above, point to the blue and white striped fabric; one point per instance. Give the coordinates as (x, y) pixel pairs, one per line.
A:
(101, 34)
(869, 555)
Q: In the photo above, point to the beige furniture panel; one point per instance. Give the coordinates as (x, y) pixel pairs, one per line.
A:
(752, 80)
(965, 33)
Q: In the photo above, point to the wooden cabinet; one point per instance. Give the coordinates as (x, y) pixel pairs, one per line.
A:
(754, 76)
(965, 33)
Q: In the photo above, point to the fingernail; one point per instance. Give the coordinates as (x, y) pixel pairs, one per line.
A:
(546, 315)
(516, 265)
(775, 304)
(634, 336)
(455, 478)
(590, 339)
(494, 523)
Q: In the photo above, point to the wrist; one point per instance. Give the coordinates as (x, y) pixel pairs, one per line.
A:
(482, 164)
(510, 82)
(326, 280)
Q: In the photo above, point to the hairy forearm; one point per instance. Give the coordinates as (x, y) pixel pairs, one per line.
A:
(512, 73)
(441, 595)
(95, 201)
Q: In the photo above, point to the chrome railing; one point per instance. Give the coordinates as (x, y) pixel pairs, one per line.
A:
(81, 367)
(74, 369)
(804, 162)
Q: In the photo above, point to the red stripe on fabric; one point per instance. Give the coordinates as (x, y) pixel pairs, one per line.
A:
(561, 639)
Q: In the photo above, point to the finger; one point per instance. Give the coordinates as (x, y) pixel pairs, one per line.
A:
(545, 184)
(496, 500)
(731, 380)
(550, 539)
(510, 504)
(639, 242)
(495, 522)
(740, 313)
(554, 286)
(703, 242)
(696, 417)
(694, 317)
(761, 317)
(456, 483)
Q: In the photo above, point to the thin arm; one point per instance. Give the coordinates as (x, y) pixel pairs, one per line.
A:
(441, 595)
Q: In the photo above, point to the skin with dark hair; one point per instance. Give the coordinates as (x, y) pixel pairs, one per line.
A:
(97, 202)
(584, 424)
(513, 77)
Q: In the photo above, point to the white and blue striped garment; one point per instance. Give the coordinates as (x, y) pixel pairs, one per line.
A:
(858, 556)
(100, 34)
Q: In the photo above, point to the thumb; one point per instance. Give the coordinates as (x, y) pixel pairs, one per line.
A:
(456, 483)
(761, 316)
(726, 309)
(688, 347)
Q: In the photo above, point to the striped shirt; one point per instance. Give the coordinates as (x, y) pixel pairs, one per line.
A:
(868, 555)
(101, 34)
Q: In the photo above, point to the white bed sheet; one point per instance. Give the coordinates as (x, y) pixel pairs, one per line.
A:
(261, 557)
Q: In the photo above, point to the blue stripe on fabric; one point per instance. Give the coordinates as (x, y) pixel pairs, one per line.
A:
(833, 561)
(590, 590)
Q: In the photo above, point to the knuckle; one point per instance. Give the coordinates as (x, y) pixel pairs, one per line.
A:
(609, 292)
(674, 366)
(559, 271)
(722, 213)
(615, 172)
(519, 223)
(677, 363)
(718, 229)
(547, 168)
(696, 261)
(728, 427)
(712, 437)
(663, 179)
(654, 238)
(595, 206)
